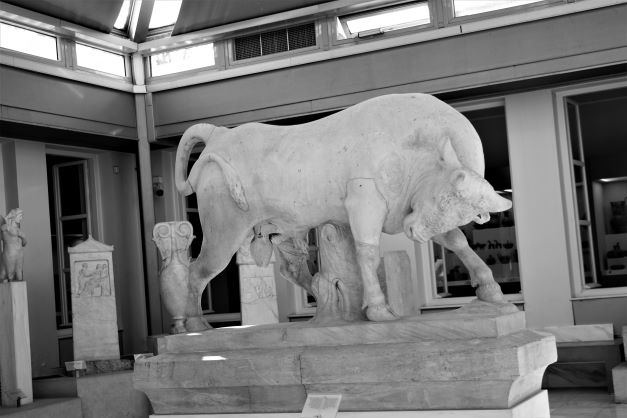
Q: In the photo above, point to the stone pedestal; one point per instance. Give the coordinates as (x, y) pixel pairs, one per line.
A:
(94, 316)
(619, 375)
(478, 357)
(15, 365)
(257, 291)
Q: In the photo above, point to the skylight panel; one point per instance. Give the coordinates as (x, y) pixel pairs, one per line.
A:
(100, 60)
(164, 13)
(179, 60)
(122, 20)
(389, 19)
(28, 41)
(471, 7)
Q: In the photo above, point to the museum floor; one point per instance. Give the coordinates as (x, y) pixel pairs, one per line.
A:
(584, 403)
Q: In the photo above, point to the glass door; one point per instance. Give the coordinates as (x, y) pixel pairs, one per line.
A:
(70, 220)
(582, 207)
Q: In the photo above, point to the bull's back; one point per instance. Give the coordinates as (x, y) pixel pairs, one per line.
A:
(302, 170)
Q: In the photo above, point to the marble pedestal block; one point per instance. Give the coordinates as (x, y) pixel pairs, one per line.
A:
(94, 315)
(478, 357)
(15, 366)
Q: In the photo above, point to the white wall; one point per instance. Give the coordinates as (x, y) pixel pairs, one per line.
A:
(538, 208)
(121, 220)
(26, 188)
(3, 206)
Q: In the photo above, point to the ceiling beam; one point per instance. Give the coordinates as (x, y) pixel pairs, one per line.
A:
(141, 13)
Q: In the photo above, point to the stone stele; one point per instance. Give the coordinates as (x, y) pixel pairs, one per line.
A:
(94, 316)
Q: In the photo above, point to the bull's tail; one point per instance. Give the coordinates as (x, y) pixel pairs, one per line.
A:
(192, 136)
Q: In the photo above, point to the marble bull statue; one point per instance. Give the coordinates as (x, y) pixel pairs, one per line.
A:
(396, 163)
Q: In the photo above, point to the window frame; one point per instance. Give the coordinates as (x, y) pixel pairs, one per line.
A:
(60, 46)
(93, 183)
(567, 180)
(428, 296)
(126, 59)
(217, 65)
(339, 19)
(450, 18)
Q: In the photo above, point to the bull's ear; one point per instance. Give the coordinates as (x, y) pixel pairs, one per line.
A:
(461, 180)
(448, 154)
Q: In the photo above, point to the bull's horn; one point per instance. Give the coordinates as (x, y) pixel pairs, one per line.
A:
(448, 154)
(497, 203)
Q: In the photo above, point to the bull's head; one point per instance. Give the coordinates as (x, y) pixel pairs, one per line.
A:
(450, 198)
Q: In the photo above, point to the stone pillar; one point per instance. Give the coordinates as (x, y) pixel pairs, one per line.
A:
(257, 290)
(15, 366)
(94, 316)
(395, 279)
(619, 375)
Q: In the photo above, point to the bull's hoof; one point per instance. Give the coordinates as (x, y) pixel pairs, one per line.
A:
(380, 313)
(490, 292)
(178, 327)
(196, 323)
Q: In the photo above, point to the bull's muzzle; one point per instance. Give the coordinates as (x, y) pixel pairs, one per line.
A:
(482, 218)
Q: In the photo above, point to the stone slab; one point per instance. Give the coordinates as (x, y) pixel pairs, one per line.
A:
(481, 372)
(15, 361)
(580, 333)
(475, 320)
(258, 295)
(584, 364)
(46, 408)
(94, 324)
(111, 395)
(536, 406)
(89, 367)
(619, 376)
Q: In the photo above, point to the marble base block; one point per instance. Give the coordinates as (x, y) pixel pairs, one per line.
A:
(15, 365)
(619, 376)
(480, 357)
(536, 406)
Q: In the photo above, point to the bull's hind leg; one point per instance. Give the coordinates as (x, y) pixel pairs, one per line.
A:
(480, 274)
(220, 243)
(366, 214)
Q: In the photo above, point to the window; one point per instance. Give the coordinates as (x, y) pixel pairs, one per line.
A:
(471, 7)
(220, 301)
(179, 60)
(383, 20)
(100, 60)
(598, 150)
(164, 13)
(274, 42)
(495, 241)
(70, 224)
(121, 22)
(28, 41)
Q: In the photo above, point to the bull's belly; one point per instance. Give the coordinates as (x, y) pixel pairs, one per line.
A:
(297, 221)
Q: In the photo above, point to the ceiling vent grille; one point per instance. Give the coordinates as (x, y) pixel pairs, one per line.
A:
(282, 40)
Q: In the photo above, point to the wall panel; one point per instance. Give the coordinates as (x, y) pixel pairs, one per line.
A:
(400, 68)
(30, 97)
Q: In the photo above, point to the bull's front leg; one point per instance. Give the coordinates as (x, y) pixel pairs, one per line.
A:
(367, 210)
(481, 276)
